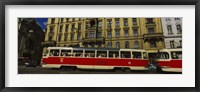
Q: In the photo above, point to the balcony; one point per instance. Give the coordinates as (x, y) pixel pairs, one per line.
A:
(109, 29)
(48, 43)
(150, 24)
(153, 37)
(60, 33)
(135, 25)
(118, 28)
(92, 28)
(51, 33)
(94, 40)
(66, 33)
(126, 27)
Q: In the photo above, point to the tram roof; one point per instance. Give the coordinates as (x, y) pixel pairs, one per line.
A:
(176, 49)
(81, 48)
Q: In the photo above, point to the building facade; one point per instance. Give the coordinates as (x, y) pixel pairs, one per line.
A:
(30, 37)
(172, 31)
(137, 33)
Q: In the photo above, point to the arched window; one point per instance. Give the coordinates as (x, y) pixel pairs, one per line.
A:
(109, 45)
(169, 28)
(117, 45)
(136, 44)
(126, 44)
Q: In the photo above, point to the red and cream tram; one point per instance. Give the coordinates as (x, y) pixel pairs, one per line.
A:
(170, 60)
(88, 58)
(118, 59)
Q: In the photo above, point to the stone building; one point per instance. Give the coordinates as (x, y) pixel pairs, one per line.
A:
(30, 37)
(137, 33)
(172, 31)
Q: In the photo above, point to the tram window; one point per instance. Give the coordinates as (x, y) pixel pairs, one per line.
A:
(176, 55)
(145, 55)
(89, 53)
(125, 54)
(66, 53)
(101, 53)
(163, 55)
(54, 52)
(136, 55)
(113, 54)
(78, 53)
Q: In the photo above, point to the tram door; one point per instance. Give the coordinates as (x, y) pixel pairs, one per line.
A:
(152, 55)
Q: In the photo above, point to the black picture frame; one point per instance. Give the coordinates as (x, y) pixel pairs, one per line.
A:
(3, 3)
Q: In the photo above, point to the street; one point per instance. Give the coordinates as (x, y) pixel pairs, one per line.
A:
(40, 70)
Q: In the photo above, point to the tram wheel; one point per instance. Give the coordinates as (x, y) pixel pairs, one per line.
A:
(159, 70)
(118, 69)
(62, 68)
(127, 70)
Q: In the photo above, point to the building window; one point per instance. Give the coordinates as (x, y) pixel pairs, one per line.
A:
(117, 33)
(167, 19)
(79, 36)
(135, 32)
(79, 19)
(180, 42)
(50, 38)
(99, 34)
(117, 45)
(62, 19)
(109, 34)
(134, 20)
(66, 28)
(125, 33)
(65, 38)
(136, 44)
(126, 22)
(109, 45)
(109, 23)
(67, 19)
(169, 28)
(73, 19)
(100, 24)
(73, 27)
(59, 37)
(172, 44)
(61, 29)
(86, 45)
(179, 29)
(151, 30)
(153, 44)
(51, 29)
(92, 45)
(79, 26)
(126, 44)
(86, 35)
(99, 45)
(176, 18)
(149, 20)
(52, 20)
(72, 37)
(92, 34)
(117, 23)
(65, 45)
(87, 25)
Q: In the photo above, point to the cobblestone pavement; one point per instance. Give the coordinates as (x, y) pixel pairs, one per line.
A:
(40, 70)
